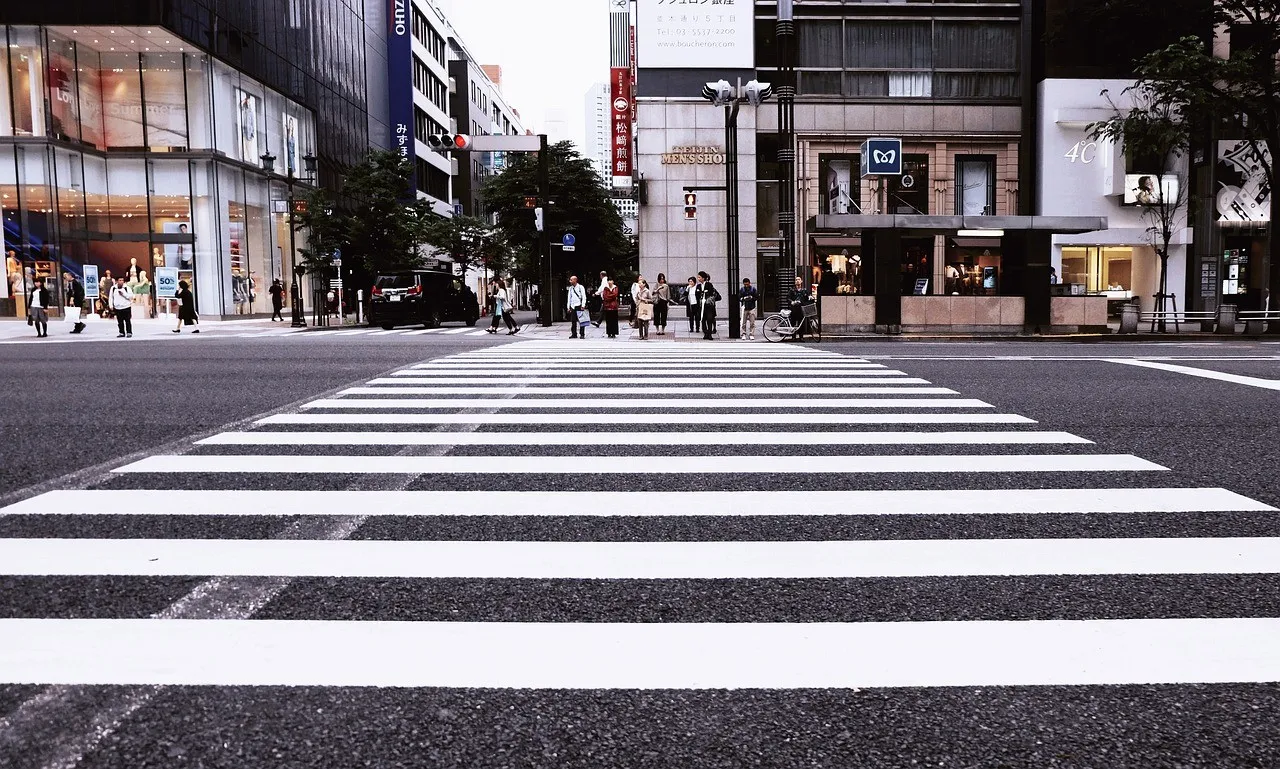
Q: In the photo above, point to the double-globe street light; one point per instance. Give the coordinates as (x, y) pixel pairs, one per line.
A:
(295, 289)
(722, 94)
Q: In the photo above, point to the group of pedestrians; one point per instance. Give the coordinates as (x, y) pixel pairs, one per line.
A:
(502, 307)
(652, 305)
(119, 301)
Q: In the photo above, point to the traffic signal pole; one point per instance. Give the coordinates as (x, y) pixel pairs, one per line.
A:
(547, 293)
(731, 212)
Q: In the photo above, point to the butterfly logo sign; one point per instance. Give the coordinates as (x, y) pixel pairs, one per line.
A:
(882, 157)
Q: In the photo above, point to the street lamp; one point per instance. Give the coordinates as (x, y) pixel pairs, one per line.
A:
(722, 94)
(295, 288)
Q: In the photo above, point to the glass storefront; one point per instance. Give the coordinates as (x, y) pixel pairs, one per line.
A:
(150, 163)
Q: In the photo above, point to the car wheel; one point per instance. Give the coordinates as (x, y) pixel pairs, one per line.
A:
(471, 321)
(387, 326)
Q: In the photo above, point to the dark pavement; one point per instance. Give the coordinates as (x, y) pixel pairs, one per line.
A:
(74, 416)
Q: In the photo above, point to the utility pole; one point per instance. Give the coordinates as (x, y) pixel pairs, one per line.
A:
(731, 221)
(547, 292)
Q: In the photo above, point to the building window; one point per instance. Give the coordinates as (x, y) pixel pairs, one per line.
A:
(841, 191)
(975, 185)
(431, 180)
(909, 193)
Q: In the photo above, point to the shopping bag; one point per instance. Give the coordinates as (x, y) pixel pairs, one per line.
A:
(584, 317)
(73, 314)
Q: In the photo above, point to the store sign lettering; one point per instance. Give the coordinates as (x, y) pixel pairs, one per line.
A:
(400, 17)
(693, 156)
(1083, 151)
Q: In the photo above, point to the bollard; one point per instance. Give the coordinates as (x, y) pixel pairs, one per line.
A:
(1128, 319)
(1226, 319)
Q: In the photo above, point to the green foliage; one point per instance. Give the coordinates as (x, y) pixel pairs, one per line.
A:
(471, 242)
(579, 204)
(324, 227)
(387, 223)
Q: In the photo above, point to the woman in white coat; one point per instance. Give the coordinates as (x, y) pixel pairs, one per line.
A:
(644, 307)
(502, 308)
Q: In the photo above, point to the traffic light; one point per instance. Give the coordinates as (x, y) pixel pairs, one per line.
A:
(690, 205)
(537, 219)
(449, 142)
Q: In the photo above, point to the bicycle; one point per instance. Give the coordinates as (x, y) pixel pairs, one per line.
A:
(778, 327)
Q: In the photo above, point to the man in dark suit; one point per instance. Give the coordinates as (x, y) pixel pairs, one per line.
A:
(75, 298)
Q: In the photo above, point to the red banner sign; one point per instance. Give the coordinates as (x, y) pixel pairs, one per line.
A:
(620, 110)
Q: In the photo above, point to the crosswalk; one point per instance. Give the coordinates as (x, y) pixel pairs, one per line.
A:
(717, 464)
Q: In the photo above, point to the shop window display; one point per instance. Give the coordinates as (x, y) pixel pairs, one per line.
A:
(973, 270)
(917, 265)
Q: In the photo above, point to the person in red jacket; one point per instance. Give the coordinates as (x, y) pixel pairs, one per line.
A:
(609, 298)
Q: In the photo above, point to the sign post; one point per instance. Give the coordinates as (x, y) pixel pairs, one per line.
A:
(166, 282)
(567, 242)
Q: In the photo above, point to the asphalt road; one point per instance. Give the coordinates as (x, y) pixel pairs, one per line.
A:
(75, 416)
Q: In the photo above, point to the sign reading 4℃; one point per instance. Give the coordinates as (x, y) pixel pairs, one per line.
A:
(882, 157)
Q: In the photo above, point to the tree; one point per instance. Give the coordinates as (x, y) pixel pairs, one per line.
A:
(325, 228)
(471, 242)
(1155, 130)
(579, 204)
(384, 227)
(1243, 89)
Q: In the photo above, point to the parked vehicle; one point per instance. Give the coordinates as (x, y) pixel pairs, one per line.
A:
(421, 297)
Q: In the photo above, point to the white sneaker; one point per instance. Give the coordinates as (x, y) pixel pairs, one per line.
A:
(752, 338)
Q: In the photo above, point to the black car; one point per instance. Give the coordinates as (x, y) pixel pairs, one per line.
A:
(421, 297)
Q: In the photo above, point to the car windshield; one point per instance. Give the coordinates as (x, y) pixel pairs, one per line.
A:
(395, 281)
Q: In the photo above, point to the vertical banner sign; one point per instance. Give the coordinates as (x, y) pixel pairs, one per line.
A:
(400, 84)
(631, 61)
(166, 282)
(620, 110)
(91, 281)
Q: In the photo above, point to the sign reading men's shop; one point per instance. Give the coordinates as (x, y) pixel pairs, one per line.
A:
(620, 110)
(694, 156)
(693, 34)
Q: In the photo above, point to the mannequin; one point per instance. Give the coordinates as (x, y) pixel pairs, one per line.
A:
(142, 293)
(157, 257)
(132, 275)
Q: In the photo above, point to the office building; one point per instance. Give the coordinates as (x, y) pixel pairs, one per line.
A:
(597, 125)
(163, 141)
(477, 107)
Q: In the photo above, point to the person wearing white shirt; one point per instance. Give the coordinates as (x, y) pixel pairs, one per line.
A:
(604, 283)
(121, 301)
(38, 308)
(576, 302)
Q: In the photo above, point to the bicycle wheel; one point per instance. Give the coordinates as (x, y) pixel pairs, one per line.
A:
(776, 328)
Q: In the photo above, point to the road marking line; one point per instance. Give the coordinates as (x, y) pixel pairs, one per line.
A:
(737, 418)
(631, 465)
(1252, 381)
(678, 366)
(422, 331)
(792, 374)
(733, 404)
(665, 438)
(648, 504)
(463, 330)
(536, 382)
(590, 655)
(862, 559)
(483, 388)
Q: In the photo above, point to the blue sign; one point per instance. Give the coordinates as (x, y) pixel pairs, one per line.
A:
(91, 281)
(400, 83)
(568, 239)
(882, 157)
(457, 209)
(166, 282)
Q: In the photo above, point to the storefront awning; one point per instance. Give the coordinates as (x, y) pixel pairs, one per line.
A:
(1061, 225)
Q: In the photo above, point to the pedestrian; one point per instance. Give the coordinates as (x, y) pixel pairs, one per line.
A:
(644, 308)
(501, 307)
(661, 302)
(277, 299)
(104, 294)
(609, 308)
(38, 308)
(186, 308)
(635, 299)
(689, 299)
(599, 298)
(75, 301)
(707, 298)
(800, 296)
(579, 316)
(747, 296)
(121, 301)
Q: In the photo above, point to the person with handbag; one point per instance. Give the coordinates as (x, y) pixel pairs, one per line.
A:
(186, 308)
(689, 299)
(38, 308)
(576, 302)
(644, 308)
(661, 301)
(707, 296)
(609, 306)
(121, 300)
(75, 301)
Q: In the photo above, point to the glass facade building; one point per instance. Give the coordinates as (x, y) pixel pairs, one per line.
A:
(132, 136)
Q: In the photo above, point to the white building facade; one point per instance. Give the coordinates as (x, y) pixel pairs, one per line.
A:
(596, 109)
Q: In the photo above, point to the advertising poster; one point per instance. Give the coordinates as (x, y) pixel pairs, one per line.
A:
(62, 90)
(91, 107)
(247, 126)
(1143, 190)
(839, 185)
(289, 130)
(91, 281)
(122, 108)
(620, 121)
(177, 254)
(166, 106)
(1243, 192)
(166, 282)
(695, 35)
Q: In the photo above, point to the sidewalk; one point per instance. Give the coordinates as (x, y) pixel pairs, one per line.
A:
(162, 326)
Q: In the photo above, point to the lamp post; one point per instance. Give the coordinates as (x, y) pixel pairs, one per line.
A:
(786, 35)
(295, 288)
(722, 94)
